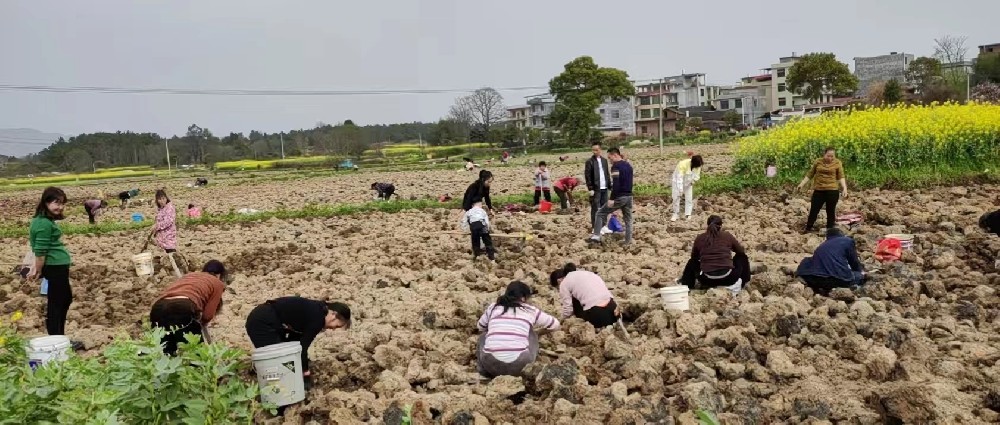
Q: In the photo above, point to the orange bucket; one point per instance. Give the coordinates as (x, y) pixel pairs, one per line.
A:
(544, 207)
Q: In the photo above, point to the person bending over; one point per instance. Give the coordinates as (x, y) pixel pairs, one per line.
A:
(585, 295)
(507, 339)
(189, 305)
(717, 259)
(383, 191)
(834, 264)
(295, 319)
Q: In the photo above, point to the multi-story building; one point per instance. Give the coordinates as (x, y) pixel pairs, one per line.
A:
(679, 91)
(989, 48)
(750, 99)
(617, 117)
(539, 108)
(518, 116)
(781, 97)
(871, 70)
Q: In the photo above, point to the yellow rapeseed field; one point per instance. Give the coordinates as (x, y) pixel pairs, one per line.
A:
(898, 136)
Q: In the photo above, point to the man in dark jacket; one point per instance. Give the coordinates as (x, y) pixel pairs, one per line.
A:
(834, 264)
(597, 173)
(621, 197)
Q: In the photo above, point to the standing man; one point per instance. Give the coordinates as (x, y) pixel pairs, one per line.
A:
(621, 197)
(597, 173)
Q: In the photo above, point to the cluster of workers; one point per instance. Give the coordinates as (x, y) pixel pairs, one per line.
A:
(508, 340)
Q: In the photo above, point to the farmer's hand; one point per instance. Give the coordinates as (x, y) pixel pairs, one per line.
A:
(32, 275)
(591, 192)
(306, 374)
(611, 204)
(843, 194)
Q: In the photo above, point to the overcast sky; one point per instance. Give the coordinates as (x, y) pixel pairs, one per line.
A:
(409, 44)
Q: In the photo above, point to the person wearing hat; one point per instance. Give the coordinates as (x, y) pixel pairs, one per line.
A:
(300, 319)
(189, 304)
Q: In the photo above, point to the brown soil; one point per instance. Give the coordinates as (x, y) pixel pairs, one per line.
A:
(918, 345)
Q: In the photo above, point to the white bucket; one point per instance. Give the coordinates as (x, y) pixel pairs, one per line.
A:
(675, 298)
(143, 264)
(45, 349)
(279, 373)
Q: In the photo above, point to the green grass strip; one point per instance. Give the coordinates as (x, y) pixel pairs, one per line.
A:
(906, 179)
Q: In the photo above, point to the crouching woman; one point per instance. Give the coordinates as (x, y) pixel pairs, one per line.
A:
(508, 341)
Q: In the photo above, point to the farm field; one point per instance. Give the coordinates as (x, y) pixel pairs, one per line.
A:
(919, 344)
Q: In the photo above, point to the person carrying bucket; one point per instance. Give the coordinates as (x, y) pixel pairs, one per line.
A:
(585, 295)
(834, 264)
(621, 197)
(52, 260)
(507, 340)
(543, 183)
(564, 190)
(295, 319)
(93, 208)
(165, 228)
(189, 305)
(717, 260)
(685, 174)
(126, 196)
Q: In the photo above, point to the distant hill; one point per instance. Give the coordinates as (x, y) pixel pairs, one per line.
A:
(24, 141)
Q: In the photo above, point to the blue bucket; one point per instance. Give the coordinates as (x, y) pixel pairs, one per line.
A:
(137, 217)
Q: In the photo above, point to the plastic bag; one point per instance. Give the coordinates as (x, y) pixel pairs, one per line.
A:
(615, 225)
(888, 250)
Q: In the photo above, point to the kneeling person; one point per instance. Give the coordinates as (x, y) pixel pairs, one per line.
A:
(189, 305)
(507, 341)
(585, 295)
(295, 319)
(834, 264)
(717, 260)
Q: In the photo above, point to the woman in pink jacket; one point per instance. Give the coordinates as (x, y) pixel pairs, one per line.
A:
(165, 227)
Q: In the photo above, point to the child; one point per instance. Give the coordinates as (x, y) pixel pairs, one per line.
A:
(193, 211)
(542, 183)
(477, 222)
(771, 171)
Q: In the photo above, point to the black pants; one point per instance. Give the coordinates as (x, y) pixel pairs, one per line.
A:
(179, 317)
(563, 198)
(823, 285)
(597, 201)
(265, 328)
(820, 198)
(694, 278)
(90, 213)
(600, 317)
(480, 234)
(386, 193)
(60, 297)
(538, 195)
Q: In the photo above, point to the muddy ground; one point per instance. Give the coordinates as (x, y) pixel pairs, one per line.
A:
(272, 190)
(917, 345)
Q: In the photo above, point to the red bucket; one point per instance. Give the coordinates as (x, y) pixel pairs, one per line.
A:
(544, 207)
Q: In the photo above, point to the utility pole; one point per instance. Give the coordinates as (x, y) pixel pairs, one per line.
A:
(166, 143)
(661, 115)
(281, 137)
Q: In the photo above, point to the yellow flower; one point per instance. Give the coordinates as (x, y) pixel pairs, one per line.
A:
(16, 316)
(2, 340)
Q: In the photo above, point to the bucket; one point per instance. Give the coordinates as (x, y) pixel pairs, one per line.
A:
(137, 217)
(544, 207)
(279, 373)
(46, 349)
(905, 240)
(143, 264)
(675, 298)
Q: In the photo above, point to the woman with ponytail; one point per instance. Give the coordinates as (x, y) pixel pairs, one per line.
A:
(507, 340)
(713, 263)
(685, 174)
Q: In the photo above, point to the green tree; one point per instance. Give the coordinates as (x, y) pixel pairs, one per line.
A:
(987, 68)
(579, 91)
(818, 73)
(923, 71)
(732, 118)
(893, 92)
(939, 91)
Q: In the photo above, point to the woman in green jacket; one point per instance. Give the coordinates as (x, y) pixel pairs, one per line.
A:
(51, 258)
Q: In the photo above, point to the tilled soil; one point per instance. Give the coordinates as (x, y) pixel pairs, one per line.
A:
(919, 344)
(267, 191)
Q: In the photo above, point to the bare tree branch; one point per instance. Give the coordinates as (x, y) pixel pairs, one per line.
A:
(483, 108)
(950, 49)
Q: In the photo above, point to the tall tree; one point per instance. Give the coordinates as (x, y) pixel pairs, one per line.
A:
(922, 71)
(732, 118)
(481, 110)
(952, 51)
(818, 73)
(579, 91)
(893, 92)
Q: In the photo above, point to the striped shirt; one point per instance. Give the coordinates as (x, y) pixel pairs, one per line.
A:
(507, 333)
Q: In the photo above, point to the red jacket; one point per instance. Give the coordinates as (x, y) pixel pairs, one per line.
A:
(567, 184)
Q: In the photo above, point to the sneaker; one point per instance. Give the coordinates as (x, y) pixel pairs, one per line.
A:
(675, 217)
(594, 239)
(687, 217)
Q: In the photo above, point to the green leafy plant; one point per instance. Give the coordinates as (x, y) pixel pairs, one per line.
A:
(407, 415)
(706, 417)
(130, 381)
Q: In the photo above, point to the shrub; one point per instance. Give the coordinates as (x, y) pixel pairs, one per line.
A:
(131, 381)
